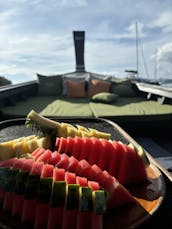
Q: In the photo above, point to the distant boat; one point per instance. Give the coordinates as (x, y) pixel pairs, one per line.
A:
(135, 74)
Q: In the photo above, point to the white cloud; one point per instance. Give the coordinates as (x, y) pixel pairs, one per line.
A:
(74, 3)
(163, 21)
(36, 35)
(164, 53)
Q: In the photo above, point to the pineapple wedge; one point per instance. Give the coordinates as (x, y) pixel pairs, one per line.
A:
(17, 147)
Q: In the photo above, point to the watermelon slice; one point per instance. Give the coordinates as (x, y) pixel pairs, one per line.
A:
(43, 197)
(82, 181)
(87, 170)
(61, 145)
(74, 166)
(86, 149)
(110, 156)
(64, 161)
(77, 147)
(85, 207)
(37, 153)
(4, 168)
(71, 205)
(55, 158)
(106, 155)
(94, 173)
(97, 150)
(20, 187)
(45, 157)
(137, 163)
(69, 144)
(9, 188)
(57, 199)
(31, 189)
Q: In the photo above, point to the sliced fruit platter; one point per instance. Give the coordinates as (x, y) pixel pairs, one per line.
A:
(71, 176)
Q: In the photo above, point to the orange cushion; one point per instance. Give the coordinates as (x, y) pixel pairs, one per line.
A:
(98, 86)
(75, 89)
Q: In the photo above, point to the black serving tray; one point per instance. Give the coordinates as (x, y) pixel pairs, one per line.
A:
(16, 128)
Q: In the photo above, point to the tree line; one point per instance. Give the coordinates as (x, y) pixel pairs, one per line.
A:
(4, 81)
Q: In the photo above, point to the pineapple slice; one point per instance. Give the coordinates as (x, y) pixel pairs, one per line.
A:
(24, 145)
(51, 127)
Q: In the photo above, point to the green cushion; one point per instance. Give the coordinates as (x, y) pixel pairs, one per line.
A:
(50, 106)
(135, 108)
(123, 88)
(104, 97)
(49, 85)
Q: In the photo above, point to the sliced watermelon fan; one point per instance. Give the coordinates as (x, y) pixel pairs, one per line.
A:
(74, 184)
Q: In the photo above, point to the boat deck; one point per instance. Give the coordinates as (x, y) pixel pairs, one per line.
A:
(162, 92)
(160, 149)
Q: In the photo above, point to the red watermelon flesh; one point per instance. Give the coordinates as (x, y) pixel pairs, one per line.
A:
(6, 163)
(27, 165)
(64, 161)
(62, 145)
(106, 156)
(69, 219)
(56, 213)
(87, 170)
(83, 220)
(82, 181)
(69, 145)
(17, 205)
(42, 209)
(74, 166)
(55, 158)
(57, 143)
(117, 194)
(18, 163)
(137, 165)
(58, 174)
(69, 216)
(35, 152)
(110, 157)
(97, 170)
(70, 178)
(96, 221)
(86, 149)
(77, 147)
(29, 205)
(116, 163)
(97, 151)
(18, 199)
(2, 195)
(93, 185)
(90, 172)
(8, 201)
(38, 153)
(9, 196)
(45, 157)
(47, 171)
(55, 217)
(36, 168)
(9, 162)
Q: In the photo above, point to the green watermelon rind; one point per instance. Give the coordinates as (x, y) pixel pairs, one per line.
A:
(58, 194)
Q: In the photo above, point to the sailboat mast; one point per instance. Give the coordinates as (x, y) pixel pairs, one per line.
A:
(137, 51)
(156, 65)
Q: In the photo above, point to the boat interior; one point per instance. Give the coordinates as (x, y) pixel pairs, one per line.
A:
(154, 134)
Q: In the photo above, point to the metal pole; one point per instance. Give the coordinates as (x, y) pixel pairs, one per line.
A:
(137, 51)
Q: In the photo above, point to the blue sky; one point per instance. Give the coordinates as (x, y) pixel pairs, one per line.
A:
(36, 36)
